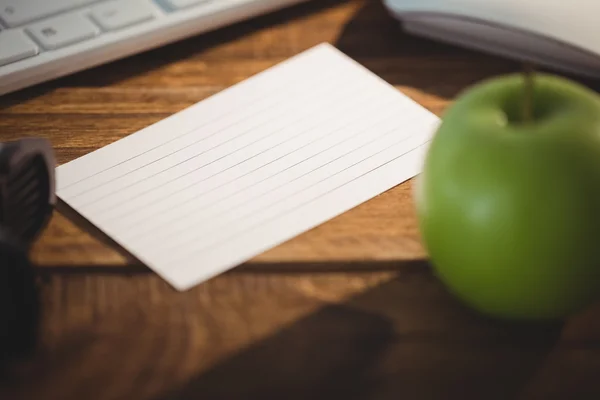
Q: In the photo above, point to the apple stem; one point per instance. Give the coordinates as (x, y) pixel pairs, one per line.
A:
(528, 95)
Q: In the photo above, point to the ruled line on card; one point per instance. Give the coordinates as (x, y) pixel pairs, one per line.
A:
(254, 87)
(117, 184)
(239, 118)
(251, 183)
(198, 178)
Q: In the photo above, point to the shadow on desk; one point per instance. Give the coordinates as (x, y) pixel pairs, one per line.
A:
(382, 345)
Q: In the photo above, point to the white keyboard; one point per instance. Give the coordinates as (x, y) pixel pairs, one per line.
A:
(46, 39)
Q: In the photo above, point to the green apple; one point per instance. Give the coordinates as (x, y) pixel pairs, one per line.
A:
(509, 205)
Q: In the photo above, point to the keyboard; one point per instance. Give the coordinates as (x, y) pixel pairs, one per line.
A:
(42, 40)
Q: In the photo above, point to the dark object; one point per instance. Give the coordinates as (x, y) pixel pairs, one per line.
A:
(27, 200)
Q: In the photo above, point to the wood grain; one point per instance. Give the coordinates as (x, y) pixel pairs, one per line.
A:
(331, 335)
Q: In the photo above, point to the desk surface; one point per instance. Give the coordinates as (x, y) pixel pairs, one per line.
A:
(347, 310)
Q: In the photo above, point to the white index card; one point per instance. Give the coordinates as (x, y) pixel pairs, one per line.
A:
(244, 170)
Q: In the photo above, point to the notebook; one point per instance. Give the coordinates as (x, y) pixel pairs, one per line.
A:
(250, 167)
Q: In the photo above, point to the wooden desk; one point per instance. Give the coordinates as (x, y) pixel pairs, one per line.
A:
(347, 310)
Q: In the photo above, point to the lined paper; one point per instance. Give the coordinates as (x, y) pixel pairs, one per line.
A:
(251, 167)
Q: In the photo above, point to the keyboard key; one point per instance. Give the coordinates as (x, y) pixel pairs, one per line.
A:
(119, 14)
(181, 4)
(18, 12)
(62, 31)
(15, 46)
